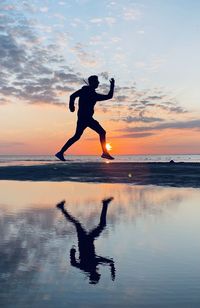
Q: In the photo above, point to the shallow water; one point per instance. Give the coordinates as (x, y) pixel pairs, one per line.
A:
(31, 160)
(146, 251)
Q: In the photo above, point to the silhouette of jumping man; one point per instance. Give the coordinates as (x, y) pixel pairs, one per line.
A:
(87, 100)
(88, 261)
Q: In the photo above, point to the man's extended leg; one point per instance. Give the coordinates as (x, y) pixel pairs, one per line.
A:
(69, 217)
(93, 124)
(79, 131)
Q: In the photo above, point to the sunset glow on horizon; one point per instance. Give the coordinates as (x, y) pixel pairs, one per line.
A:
(49, 48)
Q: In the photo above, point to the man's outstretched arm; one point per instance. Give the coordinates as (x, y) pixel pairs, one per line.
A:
(72, 100)
(103, 97)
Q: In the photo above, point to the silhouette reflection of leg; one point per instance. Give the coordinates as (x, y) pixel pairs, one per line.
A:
(102, 224)
(88, 261)
(70, 217)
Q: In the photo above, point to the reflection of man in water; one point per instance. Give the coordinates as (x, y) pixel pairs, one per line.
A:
(88, 261)
(87, 100)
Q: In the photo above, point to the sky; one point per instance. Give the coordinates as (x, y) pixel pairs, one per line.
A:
(150, 47)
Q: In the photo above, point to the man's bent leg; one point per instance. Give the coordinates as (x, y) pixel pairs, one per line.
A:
(93, 124)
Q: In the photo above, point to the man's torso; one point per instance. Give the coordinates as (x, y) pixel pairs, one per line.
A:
(87, 101)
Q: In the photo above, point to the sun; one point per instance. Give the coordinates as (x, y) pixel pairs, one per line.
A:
(108, 147)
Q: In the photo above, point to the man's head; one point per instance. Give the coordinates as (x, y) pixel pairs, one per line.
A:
(93, 81)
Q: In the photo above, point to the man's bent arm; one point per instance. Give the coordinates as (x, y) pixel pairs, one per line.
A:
(103, 97)
(72, 99)
(73, 258)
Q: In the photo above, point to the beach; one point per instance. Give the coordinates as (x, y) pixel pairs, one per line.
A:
(93, 233)
(179, 174)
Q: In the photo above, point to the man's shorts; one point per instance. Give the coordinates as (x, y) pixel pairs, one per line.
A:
(83, 123)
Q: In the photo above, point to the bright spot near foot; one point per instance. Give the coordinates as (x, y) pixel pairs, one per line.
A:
(108, 146)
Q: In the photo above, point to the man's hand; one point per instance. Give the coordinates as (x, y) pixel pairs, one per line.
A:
(112, 81)
(72, 108)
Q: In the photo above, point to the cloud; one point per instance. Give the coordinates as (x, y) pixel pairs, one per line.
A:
(3, 101)
(104, 20)
(64, 88)
(33, 8)
(104, 75)
(35, 71)
(190, 124)
(144, 103)
(9, 7)
(84, 57)
(131, 135)
(136, 135)
(122, 98)
(96, 40)
(172, 108)
(12, 55)
(131, 119)
(116, 39)
(61, 16)
(153, 65)
(96, 20)
(67, 77)
(30, 70)
(131, 13)
(110, 20)
(44, 9)
(156, 97)
(153, 107)
(141, 32)
(10, 144)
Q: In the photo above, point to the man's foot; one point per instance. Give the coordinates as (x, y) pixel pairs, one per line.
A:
(107, 156)
(60, 156)
(61, 205)
(107, 201)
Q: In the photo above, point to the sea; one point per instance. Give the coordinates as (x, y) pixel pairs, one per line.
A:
(26, 160)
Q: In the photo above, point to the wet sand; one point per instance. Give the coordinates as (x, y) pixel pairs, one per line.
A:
(163, 174)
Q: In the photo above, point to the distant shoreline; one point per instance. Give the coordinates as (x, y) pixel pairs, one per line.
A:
(162, 174)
